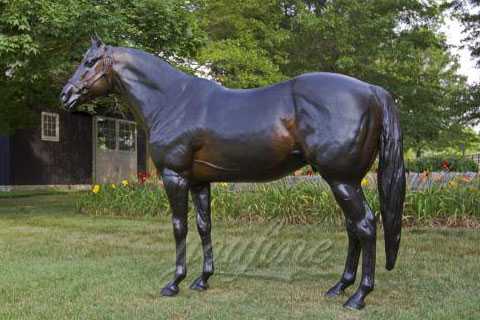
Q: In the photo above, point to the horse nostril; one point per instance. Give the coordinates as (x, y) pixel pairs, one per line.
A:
(63, 97)
(66, 93)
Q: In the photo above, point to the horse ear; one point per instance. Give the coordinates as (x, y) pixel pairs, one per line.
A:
(96, 41)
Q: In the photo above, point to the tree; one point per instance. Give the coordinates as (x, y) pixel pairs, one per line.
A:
(395, 44)
(469, 13)
(249, 43)
(41, 41)
(244, 39)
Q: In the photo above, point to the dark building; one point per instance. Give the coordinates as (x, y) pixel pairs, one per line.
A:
(73, 149)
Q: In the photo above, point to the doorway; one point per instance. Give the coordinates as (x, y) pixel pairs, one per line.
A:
(115, 150)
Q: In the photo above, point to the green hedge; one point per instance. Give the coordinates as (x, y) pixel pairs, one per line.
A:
(442, 164)
(302, 203)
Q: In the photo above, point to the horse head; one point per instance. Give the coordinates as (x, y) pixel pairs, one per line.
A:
(93, 77)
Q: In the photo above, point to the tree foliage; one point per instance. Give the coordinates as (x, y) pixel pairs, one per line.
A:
(41, 41)
(469, 13)
(249, 43)
(395, 44)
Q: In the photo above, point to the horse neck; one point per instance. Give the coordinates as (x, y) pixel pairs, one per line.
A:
(150, 85)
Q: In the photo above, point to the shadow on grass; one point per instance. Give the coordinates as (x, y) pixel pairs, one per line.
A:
(30, 194)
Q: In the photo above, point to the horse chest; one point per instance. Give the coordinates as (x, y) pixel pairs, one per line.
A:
(173, 152)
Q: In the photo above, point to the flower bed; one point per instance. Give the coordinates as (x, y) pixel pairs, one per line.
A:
(302, 202)
(451, 163)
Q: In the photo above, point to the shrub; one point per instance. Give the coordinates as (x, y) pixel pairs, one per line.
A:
(303, 203)
(125, 199)
(454, 201)
(306, 202)
(450, 163)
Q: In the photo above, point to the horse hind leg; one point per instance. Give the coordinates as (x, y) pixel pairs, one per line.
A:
(351, 266)
(361, 228)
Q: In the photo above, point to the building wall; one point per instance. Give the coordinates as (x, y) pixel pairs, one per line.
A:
(141, 150)
(69, 161)
(4, 161)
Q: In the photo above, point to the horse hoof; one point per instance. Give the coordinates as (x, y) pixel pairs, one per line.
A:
(353, 304)
(170, 290)
(334, 291)
(199, 285)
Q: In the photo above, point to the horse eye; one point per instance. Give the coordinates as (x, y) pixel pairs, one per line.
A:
(90, 63)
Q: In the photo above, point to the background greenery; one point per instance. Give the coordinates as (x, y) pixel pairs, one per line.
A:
(248, 43)
(42, 41)
(302, 203)
(448, 163)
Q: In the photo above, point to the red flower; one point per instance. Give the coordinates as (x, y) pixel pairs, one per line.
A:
(143, 177)
(445, 165)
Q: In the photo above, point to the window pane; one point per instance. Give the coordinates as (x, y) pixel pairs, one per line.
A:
(49, 126)
(106, 134)
(127, 138)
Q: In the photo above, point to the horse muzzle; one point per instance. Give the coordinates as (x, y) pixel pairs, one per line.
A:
(69, 97)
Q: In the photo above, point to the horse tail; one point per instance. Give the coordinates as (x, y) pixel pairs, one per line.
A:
(391, 177)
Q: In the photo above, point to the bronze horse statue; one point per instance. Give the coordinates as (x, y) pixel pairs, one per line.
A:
(201, 132)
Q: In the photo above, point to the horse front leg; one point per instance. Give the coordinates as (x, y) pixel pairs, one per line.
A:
(201, 200)
(176, 188)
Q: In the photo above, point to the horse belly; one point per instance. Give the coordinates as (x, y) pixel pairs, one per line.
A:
(251, 160)
(206, 171)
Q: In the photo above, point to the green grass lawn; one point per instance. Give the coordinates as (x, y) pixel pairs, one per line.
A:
(57, 264)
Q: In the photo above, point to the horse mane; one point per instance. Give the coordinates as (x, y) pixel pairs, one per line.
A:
(148, 62)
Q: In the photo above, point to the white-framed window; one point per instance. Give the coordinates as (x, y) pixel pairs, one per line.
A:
(116, 135)
(127, 136)
(50, 126)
